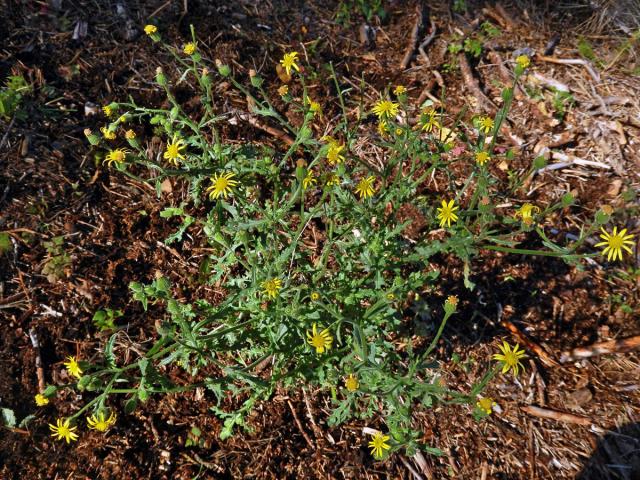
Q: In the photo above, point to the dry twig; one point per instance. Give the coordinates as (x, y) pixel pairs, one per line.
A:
(530, 345)
(556, 415)
(613, 346)
(572, 61)
(299, 425)
(418, 27)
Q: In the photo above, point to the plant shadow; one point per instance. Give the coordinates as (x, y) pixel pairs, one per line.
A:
(617, 456)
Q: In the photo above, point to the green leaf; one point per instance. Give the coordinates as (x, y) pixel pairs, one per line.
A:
(131, 405)
(8, 417)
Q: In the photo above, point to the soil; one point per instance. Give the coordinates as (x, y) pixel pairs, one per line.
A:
(53, 185)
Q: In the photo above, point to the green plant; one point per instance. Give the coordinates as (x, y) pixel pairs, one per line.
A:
(57, 260)
(356, 310)
(366, 8)
(104, 319)
(11, 96)
(562, 101)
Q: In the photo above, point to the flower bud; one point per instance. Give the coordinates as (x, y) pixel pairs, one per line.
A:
(223, 69)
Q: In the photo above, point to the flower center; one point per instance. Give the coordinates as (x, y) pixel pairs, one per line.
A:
(172, 151)
(317, 341)
(510, 359)
(222, 184)
(615, 242)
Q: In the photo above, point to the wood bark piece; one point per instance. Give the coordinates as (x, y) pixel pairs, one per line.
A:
(418, 28)
(275, 132)
(530, 345)
(602, 348)
(556, 415)
(572, 61)
(473, 85)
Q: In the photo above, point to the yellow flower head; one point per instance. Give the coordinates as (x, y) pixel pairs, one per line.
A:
(446, 213)
(309, 180)
(485, 125)
(271, 287)
(428, 120)
(365, 187)
(321, 341)
(486, 405)
(108, 134)
(378, 444)
(510, 358)
(283, 90)
(129, 134)
(108, 111)
(173, 153)
(450, 304)
(221, 185)
(73, 367)
(118, 156)
(315, 296)
(150, 29)
(385, 109)
(482, 157)
(351, 383)
(41, 400)
(289, 62)
(62, 431)
(399, 90)
(615, 242)
(383, 128)
(189, 48)
(526, 212)
(334, 153)
(523, 61)
(391, 296)
(333, 180)
(100, 423)
(314, 107)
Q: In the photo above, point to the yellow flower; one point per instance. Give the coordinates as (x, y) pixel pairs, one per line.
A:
(526, 212)
(523, 61)
(73, 367)
(365, 187)
(314, 107)
(450, 304)
(108, 111)
(309, 180)
(289, 61)
(333, 179)
(482, 157)
(383, 128)
(129, 134)
(334, 153)
(615, 242)
(41, 400)
(173, 153)
(399, 90)
(150, 29)
(446, 213)
(315, 296)
(486, 404)
(385, 109)
(428, 120)
(378, 444)
(509, 358)
(485, 124)
(118, 156)
(62, 430)
(351, 383)
(283, 90)
(221, 185)
(108, 134)
(271, 287)
(321, 341)
(391, 296)
(99, 423)
(189, 48)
